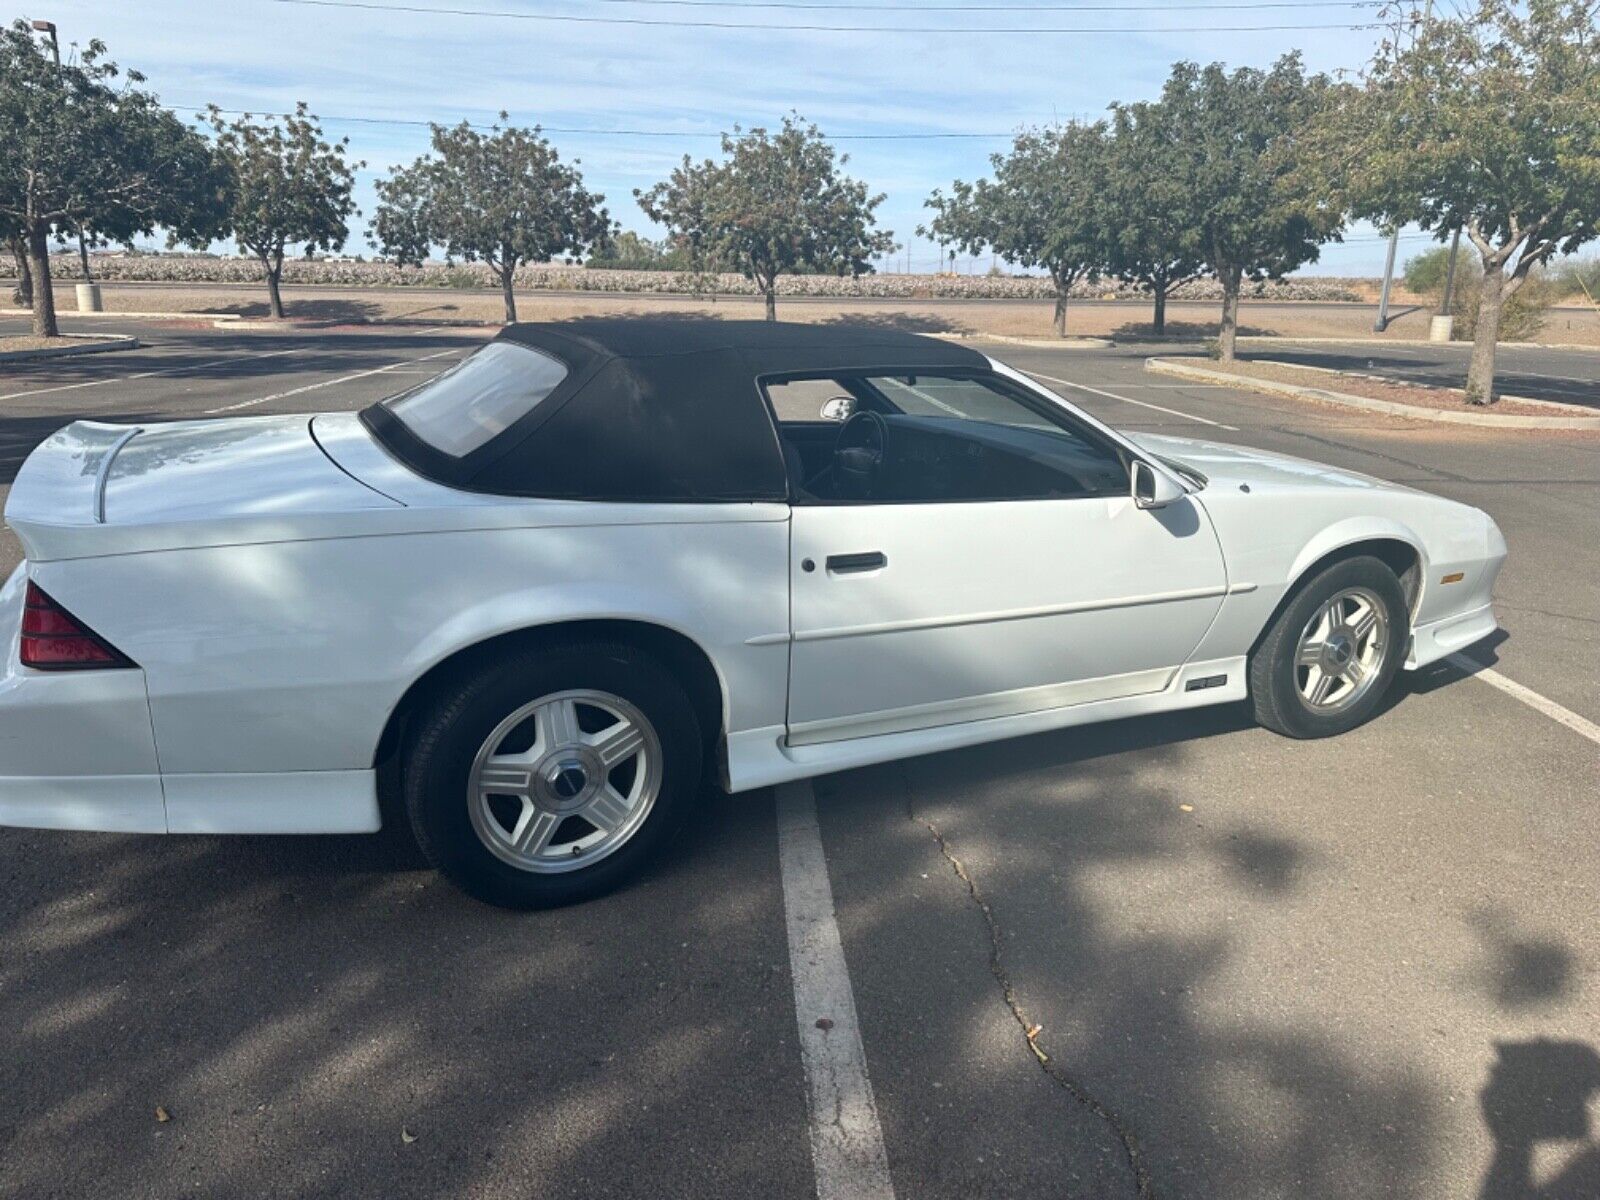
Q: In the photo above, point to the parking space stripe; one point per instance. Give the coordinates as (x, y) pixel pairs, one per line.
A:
(1083, 387)
(847, 1152)
(160, 372)
(311, 387)
(1565, 716)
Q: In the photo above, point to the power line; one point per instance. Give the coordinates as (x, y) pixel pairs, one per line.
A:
(997, 8)
(512, 15)
(570, 129)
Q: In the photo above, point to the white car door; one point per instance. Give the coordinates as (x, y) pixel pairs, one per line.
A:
(1042, 585)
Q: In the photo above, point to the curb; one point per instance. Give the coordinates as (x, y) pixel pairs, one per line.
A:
(97, 344)
(1185, 370)
(142, 316)
(1066, 343)
(1275, 340)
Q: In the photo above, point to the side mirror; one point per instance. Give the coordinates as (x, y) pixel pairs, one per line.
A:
(1153, 488)
(839, 408)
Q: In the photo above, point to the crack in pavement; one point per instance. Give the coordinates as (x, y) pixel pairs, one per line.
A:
(1144, 1186)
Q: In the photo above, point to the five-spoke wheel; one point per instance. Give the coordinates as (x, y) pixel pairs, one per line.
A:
(1326, 661)
(552, 774)
(564, 780)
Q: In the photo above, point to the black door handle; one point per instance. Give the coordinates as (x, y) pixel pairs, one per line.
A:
(844, 564)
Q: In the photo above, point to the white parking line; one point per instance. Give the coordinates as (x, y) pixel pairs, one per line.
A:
(847, 1152)
(1082, 387)
(311, 387)
(160, 372)
(1565, 716)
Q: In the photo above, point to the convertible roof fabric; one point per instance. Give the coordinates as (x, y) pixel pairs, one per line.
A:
(765, 347)
(663, 409)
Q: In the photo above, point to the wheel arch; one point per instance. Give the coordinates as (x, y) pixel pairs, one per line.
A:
(685, 657)
(1400, 551)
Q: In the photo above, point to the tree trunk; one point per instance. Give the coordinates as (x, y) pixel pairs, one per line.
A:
(1061, 311)
(44, 298)
(23, 292)
(83, 257)
(1159, 324)
(1491, 302)
(274, 272)
(509, 293)
(770, 290)
(1228, 333)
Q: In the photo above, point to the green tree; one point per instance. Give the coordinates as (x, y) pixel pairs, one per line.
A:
(1236, 158)
(776, 203)
(1152, 228)
(288, 187)
(1043, 208)
(630, 252)
(85, 148)
(504, 198)
(1489, 121)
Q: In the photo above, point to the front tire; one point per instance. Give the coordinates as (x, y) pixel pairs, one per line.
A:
(1326, 662)
(552, 776)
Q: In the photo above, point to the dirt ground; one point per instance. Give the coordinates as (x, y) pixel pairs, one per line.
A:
(1128, 320)
(1371, 386)
(29, 342)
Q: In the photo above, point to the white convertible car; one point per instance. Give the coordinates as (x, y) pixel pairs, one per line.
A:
(548, 591)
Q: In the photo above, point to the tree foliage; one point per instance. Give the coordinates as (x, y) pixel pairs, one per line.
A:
(289, 187)
(504, 198)
(1151, 224)
(1236, 152)
(1043, 208)
(776, 203)
(1489, 121)
(84, 146)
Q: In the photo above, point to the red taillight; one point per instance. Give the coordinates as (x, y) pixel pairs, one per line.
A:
(54, 640)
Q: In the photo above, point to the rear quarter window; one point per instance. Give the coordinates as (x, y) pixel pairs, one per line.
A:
(479, 398)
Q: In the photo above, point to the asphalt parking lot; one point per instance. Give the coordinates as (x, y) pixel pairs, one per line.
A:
(1174, 956)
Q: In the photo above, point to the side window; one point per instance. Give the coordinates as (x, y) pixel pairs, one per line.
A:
(945, 438)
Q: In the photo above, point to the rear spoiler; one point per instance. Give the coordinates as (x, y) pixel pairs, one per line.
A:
(62, 485)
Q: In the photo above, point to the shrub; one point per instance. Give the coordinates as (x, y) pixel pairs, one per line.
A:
(1522, 316)
(1425, 272)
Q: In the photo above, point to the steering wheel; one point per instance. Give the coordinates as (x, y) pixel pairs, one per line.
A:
(858, 455)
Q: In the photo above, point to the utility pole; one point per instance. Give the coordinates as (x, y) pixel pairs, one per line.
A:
(1382, 322)
(1450, 274)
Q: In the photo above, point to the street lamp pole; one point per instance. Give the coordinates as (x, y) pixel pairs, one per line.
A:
(49, 27)
(1382, 322)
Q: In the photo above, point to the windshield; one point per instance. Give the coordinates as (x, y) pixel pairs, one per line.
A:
(481, 396)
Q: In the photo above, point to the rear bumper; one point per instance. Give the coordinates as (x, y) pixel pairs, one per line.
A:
(77, 751)
(76, 747)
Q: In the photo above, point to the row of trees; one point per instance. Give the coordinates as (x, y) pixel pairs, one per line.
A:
(1487, 122)
(90, 154)
(1191, 184)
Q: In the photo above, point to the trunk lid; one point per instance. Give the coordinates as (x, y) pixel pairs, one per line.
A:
(95, 488)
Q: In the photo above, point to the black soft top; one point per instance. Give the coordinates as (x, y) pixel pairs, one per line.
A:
(663, 408)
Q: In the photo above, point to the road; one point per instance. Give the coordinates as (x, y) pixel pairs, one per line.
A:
(1569, 376)
(1257, 968)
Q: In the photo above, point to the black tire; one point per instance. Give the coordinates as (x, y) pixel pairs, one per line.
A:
(439, 759)
(1274, 683)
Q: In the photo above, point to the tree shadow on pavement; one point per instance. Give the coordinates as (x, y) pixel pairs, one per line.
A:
(317, 1019)
(1541, 1091)
(1109, 902)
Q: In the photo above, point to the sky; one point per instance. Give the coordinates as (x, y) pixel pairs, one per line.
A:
(628, 100)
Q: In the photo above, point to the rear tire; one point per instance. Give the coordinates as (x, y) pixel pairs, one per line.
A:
(552, 776)
(1325, 664)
